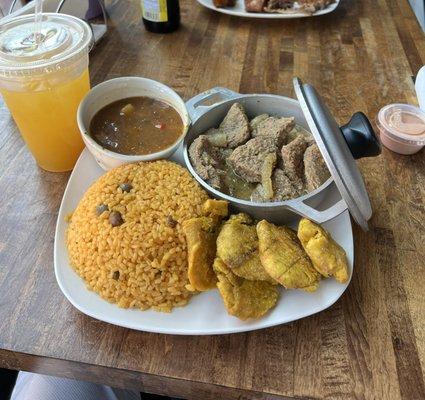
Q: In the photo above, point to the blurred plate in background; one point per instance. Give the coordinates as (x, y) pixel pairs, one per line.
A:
(239, 11)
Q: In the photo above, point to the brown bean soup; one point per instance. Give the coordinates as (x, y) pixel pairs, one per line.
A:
(136, 126)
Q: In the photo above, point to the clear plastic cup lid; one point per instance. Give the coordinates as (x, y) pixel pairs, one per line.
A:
(404, 123)
(25, 48)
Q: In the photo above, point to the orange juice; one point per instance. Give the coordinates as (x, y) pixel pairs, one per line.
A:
(43, 77)
(47, 121)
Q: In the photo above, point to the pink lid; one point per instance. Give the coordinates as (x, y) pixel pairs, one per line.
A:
(403, 122)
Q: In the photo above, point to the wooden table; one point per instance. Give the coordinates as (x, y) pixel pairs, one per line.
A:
(369, 345)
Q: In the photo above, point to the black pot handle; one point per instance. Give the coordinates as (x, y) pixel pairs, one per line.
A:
(360, 137)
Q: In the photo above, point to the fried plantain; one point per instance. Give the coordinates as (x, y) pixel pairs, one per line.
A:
(237, 246)
(328, 257)
(284, 259)
(220, 268)
(215, 208)
(201, 235)
(242, 298)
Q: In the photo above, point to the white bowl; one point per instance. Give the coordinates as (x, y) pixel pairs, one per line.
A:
(120, 88)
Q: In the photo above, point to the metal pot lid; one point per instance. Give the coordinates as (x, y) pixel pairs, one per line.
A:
(340, 147)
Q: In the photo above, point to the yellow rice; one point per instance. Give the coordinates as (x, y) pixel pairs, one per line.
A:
(148, 252)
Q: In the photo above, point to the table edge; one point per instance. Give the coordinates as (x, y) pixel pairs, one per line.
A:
(132, 380)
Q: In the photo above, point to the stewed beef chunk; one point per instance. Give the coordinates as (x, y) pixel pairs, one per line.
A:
(275, 127)
(235, 126)
(315, 170)
(247, 160)
(292, 158)
(285, 188)
(206, 160)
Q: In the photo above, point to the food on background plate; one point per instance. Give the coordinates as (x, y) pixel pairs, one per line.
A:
(278, 6)
(311, 6)
(328, 257)
(305, 6)
(266, 159)
(244, 298)
(255, 5)
(224, 3)
(284, 258)
(201, 236)
(138, 259)
(136, 126)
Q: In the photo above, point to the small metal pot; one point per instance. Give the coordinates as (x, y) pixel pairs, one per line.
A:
(208, 109)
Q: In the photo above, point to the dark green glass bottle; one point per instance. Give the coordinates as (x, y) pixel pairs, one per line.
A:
(161, 16)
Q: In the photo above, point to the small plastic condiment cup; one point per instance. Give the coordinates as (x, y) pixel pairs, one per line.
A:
(402, 128)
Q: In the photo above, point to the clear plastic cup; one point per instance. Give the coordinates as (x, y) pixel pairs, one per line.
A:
(402, 128)
(43, 78)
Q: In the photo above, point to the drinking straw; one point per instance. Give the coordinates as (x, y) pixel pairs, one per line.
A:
(37, 20)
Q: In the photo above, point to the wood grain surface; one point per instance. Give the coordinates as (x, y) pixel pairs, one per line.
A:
(369, 345)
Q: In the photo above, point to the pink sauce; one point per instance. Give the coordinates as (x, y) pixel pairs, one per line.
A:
(407, 123)
(402, 128)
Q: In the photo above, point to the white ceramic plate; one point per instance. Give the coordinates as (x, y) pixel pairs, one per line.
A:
(239, 11)
(205, 314)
